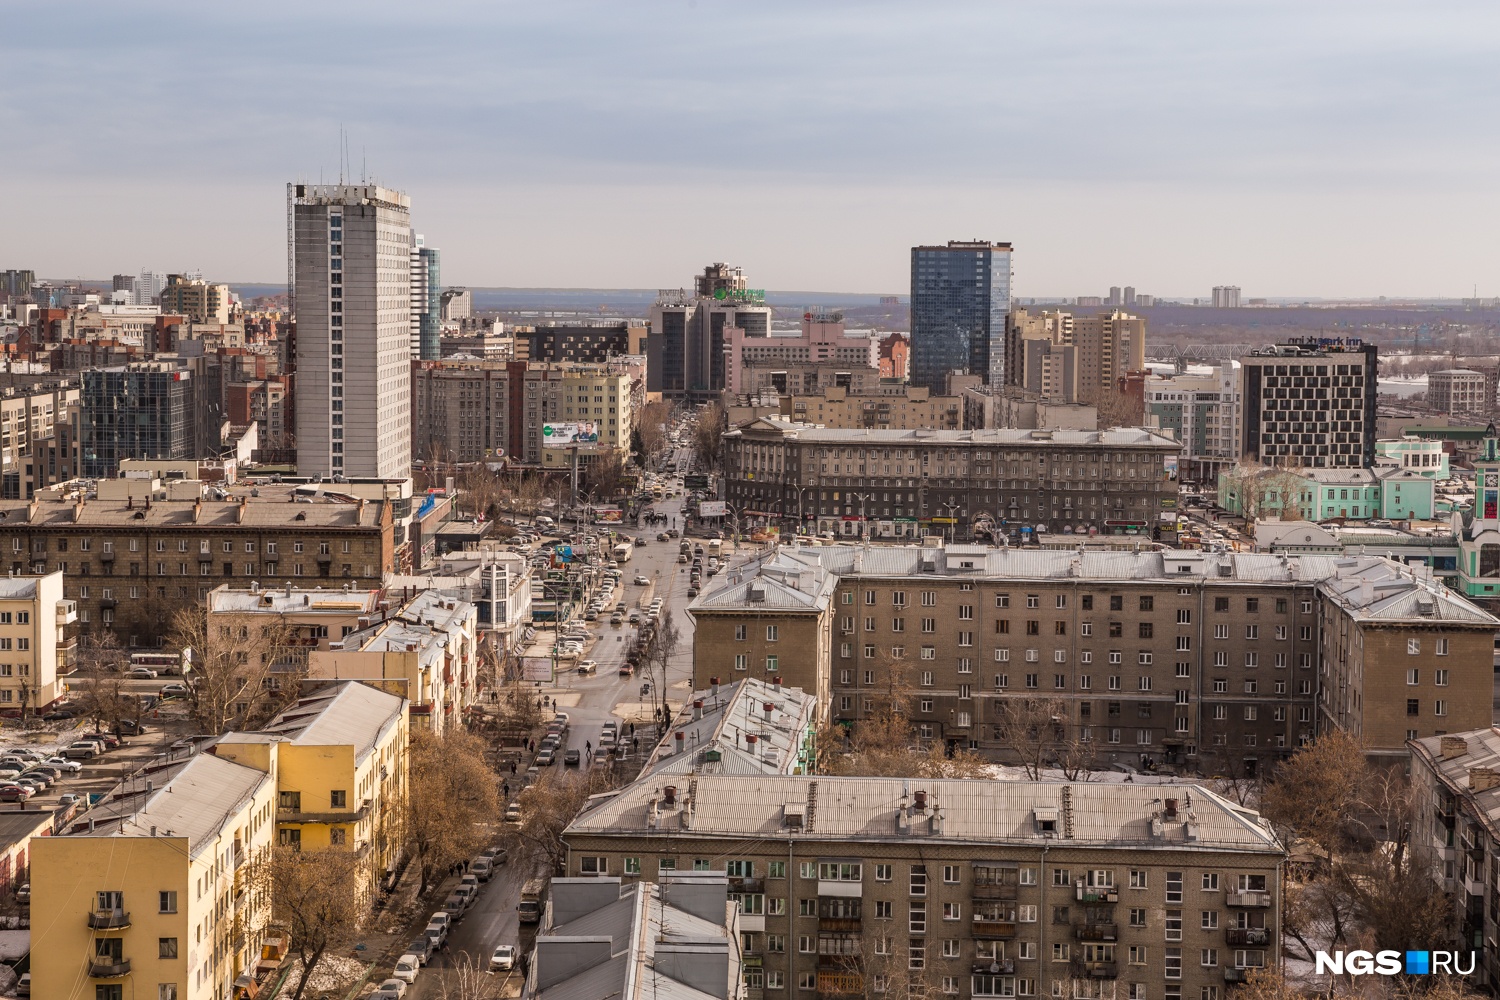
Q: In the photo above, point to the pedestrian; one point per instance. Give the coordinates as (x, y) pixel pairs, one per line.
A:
(512, 767)
(506, 787)
(588, 746)
(635, 741)
(632, 729)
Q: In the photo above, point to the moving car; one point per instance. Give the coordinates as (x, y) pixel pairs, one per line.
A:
(513, 813)
(588, 667)
(142, 673)
(571, 758)
(641, 580)
(504, 957)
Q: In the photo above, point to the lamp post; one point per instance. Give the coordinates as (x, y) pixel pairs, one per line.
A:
(863, 518)
(953, 526)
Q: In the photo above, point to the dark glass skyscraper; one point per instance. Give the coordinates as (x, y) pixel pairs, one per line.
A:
(960, 296)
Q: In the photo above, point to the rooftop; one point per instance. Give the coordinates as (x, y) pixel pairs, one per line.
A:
(192, 799)
(994, 436)
(206, 514)
(345, 714)
(852, 810)
(714, 736)
(1460, 757)
(291, 600)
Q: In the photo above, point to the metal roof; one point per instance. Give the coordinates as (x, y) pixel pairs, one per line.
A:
(849, 810)
(193, 799)
(991, 436)
(292, 600)
(715, 741)
(344, 714)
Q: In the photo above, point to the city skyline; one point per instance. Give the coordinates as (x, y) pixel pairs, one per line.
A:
(1251, 144)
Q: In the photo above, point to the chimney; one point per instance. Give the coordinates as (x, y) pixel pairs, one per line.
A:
(920, 802)
(1169, 808)
(768, 708)
(78, 511)
(1482, 779)
(776, 683)
(239, 512)
(752, 739)
(197, 510)
(697, 709)
(669, 795)
(714, 684)
(680, 738)
(1453, 746)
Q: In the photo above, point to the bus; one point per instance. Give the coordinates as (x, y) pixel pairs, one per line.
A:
(168, 664)
(623, 551)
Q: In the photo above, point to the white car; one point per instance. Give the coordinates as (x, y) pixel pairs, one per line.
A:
(394, 985)
(406, 968)
(63, 764)
(504, 957)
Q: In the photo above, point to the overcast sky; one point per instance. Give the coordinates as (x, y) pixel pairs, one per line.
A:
(1318, 149)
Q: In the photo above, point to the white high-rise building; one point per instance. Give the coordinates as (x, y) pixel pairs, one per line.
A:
(351, 246)
(148, 287)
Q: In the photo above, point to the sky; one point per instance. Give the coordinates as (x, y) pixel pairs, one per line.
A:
(1333, 149)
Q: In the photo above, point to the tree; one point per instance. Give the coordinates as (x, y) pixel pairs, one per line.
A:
(1037, 732)
(311, 896)
(1316, 792)
(467, 977)
(606, 474)
(233, 680)
(452, 797)
(657, 657)
(652, 430)
(708, 432)
(1256, 491)
(480, 491)
(103, 696)
(547, 808)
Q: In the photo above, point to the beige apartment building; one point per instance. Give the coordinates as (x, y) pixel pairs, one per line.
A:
(128, 565)
(1222, 661)
(36, 651)
(909, 408)
(966, 484)
(598, 397)
(862, 886)
(200, 301)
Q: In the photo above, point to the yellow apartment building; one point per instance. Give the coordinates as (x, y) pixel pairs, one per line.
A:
(147, 895)
(339, 760)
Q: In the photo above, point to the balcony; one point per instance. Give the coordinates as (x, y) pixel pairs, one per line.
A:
(853, 924)
(1095, 970)
(1096, 932)
(1233, 975)
(987, 929)
(746, 885)
(1247, 935)
(108, 920)
(1249, 898)
(840, 984)
(1099, 896)
(994, 967)
(104, 967)
(993, 890)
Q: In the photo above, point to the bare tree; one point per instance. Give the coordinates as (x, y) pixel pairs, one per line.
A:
(547, 808)
(102, 691)
(653, 430)
(707, 435)
(468, 977)
(1038, 734)
(311, 895)
(657, 657)
(233, 678)
(606, 474)
(452, 796)
(480, 491)
(1316, 792)
(1257, 491)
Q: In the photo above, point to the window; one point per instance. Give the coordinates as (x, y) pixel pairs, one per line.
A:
(1413, 676)
(952, 911)
(1413, 647)
(1209, 957)
(1210, 882)
(1174, 887)
(772, 632)
(1174, 959)
(917, 918)
(167, 901)
(1440, 647)
(1137, 917)
(1440, 678)
(883, 909)
(951, 874)
(919, 880)
(1440, 707)
(1209, 920)
(166, 947)
(1174, 925)
(882, 873)
(739, 632)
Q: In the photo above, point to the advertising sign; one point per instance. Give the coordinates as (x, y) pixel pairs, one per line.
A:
(536, 668)
(713, 508)
(608, 515)
(583, 434)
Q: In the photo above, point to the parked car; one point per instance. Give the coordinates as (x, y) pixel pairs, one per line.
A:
(546, 756)
(455, 905)
(23, 985)
(130, 727)
(141, 673)
(15, 793)
(69, 799)
(483, 868)
(504, 957)
(397, 986)
(82, 751)
(422, 948)
(406, 968)
(513, 813)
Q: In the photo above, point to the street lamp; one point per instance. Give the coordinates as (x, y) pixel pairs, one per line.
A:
(863, 519)
(953, 521)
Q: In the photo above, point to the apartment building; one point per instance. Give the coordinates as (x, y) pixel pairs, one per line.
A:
(1204, 413)
(34, 642)
(1457, 828)
(822, 339)
(200, 301)
(907, 409)
(687, 348)
(580, 342)
(315, 618)
(427, 652)
(1230, 660)
(28, 416)
(128, 565)
(148, 895)
(594, 395)
(1458, 392)
(863, 885)
(895, 484)
(1310, 402)
(144, 410)
(339, 761)
(1401, 658)
(678, 938)
(808, 378)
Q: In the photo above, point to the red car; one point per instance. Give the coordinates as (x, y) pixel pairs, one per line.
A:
(15, 793)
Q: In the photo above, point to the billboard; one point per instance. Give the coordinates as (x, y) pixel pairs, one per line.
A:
(536, 668)
(608, 515)
(583, 434)
(713, 508)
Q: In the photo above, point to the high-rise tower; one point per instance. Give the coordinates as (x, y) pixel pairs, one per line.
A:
(960, 295)
(426, 300)
(351, 248)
